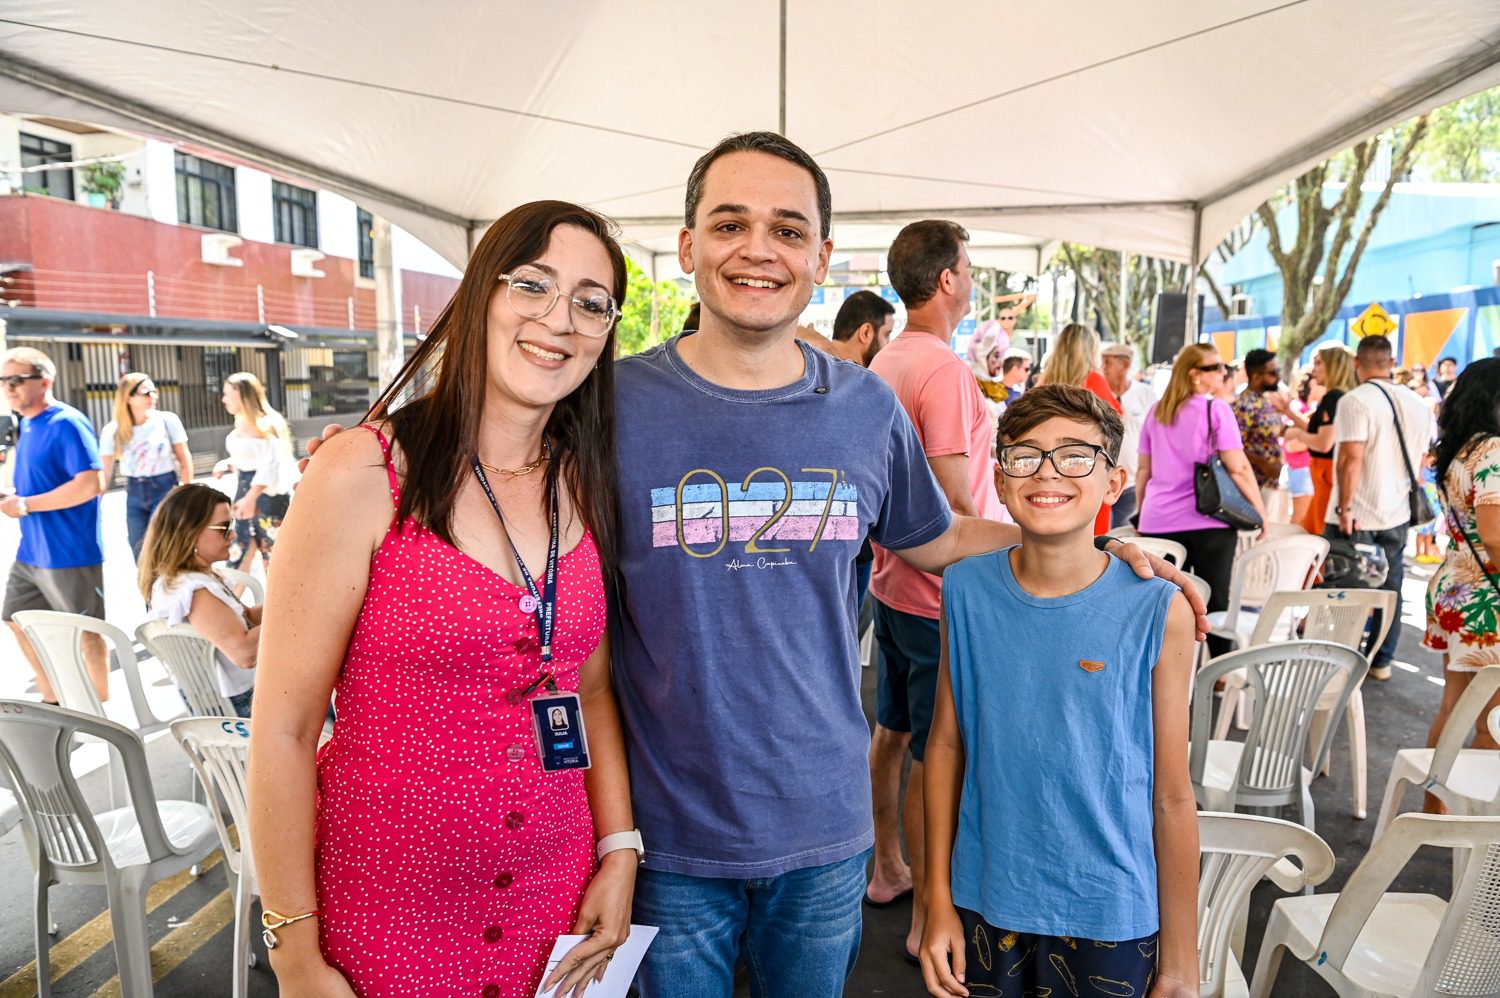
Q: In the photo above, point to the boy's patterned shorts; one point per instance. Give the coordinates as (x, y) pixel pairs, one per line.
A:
(999, 963)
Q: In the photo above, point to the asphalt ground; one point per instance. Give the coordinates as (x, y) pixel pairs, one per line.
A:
(190, 918)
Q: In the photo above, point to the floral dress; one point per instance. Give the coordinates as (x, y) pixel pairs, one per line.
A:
(1463, 606)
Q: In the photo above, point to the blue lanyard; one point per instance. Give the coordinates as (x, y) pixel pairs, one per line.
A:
(545, 598)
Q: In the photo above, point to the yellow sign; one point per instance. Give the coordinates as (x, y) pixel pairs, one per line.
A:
(1373, 321)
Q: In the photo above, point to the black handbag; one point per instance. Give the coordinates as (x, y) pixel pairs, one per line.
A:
(1216, 493)
(1418, 505)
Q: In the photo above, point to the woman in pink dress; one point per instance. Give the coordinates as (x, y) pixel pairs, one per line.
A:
(442, 570)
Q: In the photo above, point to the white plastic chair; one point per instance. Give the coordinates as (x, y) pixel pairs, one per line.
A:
(126, 849)
(1166, 550)
(1337, 615)
(191, 660)
(248, 582)
(57, 640)
(1266, 769)
(217, 749)
(1201, 584)
(1237, 850)
(1466, 780)
(1365, 942)
(1279, 564)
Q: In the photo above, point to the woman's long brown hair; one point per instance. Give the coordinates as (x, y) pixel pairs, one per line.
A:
(439, 430)
(168, 550)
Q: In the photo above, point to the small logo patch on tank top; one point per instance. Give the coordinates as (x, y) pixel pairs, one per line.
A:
(1088, 665)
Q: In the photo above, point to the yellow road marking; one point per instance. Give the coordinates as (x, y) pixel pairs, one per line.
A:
(179, 944)
(88, 939)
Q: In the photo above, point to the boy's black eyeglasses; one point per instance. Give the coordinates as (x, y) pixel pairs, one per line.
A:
(17, 380)
(1070, 460)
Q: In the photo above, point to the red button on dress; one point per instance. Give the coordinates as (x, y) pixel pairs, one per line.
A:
(410, 785)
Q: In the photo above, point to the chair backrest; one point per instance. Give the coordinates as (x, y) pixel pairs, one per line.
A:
(191, 661)
(1236, 851)
(251, 584)
(1463, 719)
(1201, 584)
(36, 746)
(1465, 954)
(1287, 681)
(1337, 615)
(1278, 564)
(1165, 549)
(218, 749)
(57, 639)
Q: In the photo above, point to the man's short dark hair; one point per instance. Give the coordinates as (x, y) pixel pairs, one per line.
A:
(771, 144)
(1373, 351)
(1037, 405)
(920, 254)
(1447, 360)
(1256, 360)
(858, 309)
(1012, 362)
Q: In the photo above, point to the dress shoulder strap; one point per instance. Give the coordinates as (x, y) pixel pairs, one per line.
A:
(390, 469)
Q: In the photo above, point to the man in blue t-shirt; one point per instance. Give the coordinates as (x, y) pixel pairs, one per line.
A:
(60, 564)
(751, 470)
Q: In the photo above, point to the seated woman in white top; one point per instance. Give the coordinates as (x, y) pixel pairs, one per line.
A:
(190, 532)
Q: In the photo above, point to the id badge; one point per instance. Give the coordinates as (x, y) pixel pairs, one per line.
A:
(560, 740)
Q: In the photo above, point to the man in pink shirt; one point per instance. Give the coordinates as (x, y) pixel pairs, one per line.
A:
(929, 268)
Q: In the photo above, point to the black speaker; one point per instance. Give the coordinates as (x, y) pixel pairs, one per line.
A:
(1169, 326)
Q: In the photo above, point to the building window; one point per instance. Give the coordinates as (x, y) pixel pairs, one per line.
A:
(205, 193)
(37, 151)
(366, 244)
(296, 210)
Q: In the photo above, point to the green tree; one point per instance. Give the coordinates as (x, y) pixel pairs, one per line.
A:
(636, 331)
(1317, 267)
(1463, 141)
(1097, 273)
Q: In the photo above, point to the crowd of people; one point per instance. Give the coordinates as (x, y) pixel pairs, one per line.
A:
(590, 671)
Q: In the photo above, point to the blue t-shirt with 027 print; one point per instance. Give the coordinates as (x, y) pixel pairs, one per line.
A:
(736, 660)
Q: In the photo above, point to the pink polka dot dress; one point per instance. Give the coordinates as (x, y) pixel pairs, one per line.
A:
(448, 861)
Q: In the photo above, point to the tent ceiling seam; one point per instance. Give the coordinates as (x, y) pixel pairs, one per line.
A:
(955, 211)
(191, 131)
(1350, 132)
(330, 78)
(1076, 71)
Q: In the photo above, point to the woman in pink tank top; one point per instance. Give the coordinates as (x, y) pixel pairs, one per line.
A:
(442, 570)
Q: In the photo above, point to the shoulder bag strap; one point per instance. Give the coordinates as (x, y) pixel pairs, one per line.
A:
(1458, 528)
(1400, 437)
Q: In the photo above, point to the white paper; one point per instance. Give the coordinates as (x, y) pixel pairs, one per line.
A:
(621, 970)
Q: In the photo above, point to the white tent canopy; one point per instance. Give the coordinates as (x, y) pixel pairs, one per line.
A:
(1151, 126)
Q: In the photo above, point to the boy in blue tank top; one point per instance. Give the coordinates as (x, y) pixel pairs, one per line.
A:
(1062, 835)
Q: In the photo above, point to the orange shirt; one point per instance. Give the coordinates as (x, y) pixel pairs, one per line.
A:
(1097, 384)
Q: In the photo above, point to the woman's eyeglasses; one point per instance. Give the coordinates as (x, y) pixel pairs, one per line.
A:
(227, 529)
(1218, 368)
(149, 392)
(533, 294)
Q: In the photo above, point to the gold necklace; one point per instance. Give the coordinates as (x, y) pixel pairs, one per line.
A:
(524, 469)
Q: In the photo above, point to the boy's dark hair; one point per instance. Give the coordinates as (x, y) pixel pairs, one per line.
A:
(1256, 360)
(1011, 363)
(771, 144)
(1037, 405)
(858, 309)
(920, 254)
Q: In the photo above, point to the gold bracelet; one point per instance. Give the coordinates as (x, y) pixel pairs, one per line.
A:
(270, 921)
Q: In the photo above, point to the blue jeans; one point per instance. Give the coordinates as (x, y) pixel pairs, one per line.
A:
(798, 932)
(142, 496)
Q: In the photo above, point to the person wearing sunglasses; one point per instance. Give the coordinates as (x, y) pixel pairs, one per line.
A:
(1181, 431)
(151, 446)
(189, 532)
(443, 567)
(60, 563)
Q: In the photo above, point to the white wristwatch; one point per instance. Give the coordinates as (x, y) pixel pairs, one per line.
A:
(622, 840)
(21, 505)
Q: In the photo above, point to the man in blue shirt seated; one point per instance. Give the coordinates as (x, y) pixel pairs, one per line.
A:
(60, 564)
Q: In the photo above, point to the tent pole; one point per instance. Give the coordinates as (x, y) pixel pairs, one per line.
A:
(655, 305)
(1191, 282)
(388, 352)
(1124, 296)
(781, 118)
